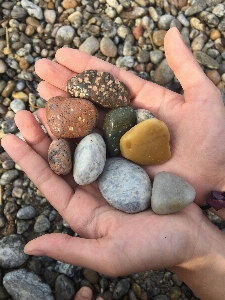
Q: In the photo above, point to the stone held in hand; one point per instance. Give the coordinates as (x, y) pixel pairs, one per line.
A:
(59, 157)
(89, 159)
(147, 143)
(170, 193)
(70, 117)
(117, 121)
(99, 87)
(125, 185)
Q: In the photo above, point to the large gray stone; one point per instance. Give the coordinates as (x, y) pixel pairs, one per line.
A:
(170, 193)
(125, 185)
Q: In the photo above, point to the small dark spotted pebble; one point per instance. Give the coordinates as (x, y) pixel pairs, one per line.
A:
(117, 122)
(125, 185)
(99, 87)
(70, 117)
(59, 157)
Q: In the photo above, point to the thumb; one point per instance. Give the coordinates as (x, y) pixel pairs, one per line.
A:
(184, 65)
(77, 251)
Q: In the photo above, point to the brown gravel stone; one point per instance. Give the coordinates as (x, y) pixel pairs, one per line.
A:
(69, 4)
(51, 5)
(59, 157)
(214, 76)
(137, 32)
(158, 37)
(23, 63)
(99, 87)
(214, 34)
(70, 117)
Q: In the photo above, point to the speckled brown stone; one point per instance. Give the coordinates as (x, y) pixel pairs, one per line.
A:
(70, 117)
(99, 87)
(59, 157)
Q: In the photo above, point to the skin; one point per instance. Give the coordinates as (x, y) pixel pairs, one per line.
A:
(116, 243)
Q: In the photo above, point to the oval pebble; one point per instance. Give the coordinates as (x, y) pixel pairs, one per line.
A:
(170, 193)
(125, 185)
(26, 213)
(99, 87)
(70, 117)
(117, 121)
(59, 157)
(17, 105)
(89, 159)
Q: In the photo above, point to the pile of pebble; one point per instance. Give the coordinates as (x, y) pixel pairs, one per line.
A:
(113, 30)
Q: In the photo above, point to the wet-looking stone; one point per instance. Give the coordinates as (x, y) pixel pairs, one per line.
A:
(147, 143)
(99, 87)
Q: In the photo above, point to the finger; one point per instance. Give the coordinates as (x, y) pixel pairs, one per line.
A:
(32, 132)
(84, 293)
(38, 170)
(89, 253)
(47, 91)
(144, 94)
(41, 114)
(185, 66)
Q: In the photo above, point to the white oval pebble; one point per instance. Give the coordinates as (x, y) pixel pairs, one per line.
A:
(89, 159)
(170, 193)
(125, 185)
(17, 105)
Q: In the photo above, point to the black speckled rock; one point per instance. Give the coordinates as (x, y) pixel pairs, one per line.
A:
(117, 122)
(99, 87)
(125, 185)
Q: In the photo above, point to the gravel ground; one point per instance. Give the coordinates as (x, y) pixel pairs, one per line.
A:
(130, 35)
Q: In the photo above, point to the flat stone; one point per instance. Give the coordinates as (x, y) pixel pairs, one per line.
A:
(11, 251)
(26, 213)
(107, 47)
(90, 45)
(163, 73)
(64, 36)
(70, 117)
(17, 105)
(99, 87)
(206, 60)
(170, 193)
(134, 13)
(147, 143)
(32, 9)
(195, 8)
(89, 159)
(125, 185)
(143, 114)
(21, 284)
(59, 157)
(117, 122)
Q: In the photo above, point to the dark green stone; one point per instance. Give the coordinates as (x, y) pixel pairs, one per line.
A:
(116, 123)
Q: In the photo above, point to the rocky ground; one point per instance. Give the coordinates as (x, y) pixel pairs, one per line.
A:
(130, 35)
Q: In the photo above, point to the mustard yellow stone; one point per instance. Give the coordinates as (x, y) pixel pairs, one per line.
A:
(147, 143)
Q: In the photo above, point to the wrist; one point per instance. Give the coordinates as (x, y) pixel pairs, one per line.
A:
(204, 271)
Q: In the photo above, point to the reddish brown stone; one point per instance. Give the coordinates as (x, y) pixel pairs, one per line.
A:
(70, 117)
(59, 157)
(138, 32)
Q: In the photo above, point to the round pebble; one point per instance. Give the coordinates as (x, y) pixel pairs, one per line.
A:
(90, 45)
(70, 117)
(59, 157)
(89, 159)
(17, 105)
(119, 184)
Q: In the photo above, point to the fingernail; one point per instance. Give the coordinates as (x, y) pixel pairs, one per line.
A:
(86, 292)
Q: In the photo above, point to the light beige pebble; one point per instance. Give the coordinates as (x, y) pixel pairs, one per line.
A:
(107, 47)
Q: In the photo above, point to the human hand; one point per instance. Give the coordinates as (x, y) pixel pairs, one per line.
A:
(113, 242)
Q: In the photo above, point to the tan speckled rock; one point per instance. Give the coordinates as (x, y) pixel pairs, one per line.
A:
(59, 157)
(147, 143)
(70, 117)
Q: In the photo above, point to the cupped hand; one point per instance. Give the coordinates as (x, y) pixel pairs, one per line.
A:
(113, 242)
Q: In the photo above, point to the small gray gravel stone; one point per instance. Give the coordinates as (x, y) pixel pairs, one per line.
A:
(156, 56)
(18, 12)
(17, 105)
(64, 268)
(121, 288)
(163, 74)
(21, 226)
(89, 159)
(107, 47)
(21, 284)
(120, 185)
(9, 176)
(90, 45)
(32, 9)
(195, 8)
(64, 288)
(42, 224)
(64, 36)
(170, 193)
(26, 213)
(164, 22)
(3, 66)
(143, 114)
(206, 60)
(50, 16)
(11, 251)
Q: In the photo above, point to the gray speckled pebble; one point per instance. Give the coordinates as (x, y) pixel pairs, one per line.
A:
(125, 185)
(21, 284)
(89, 159)
(143, 114)
(26, 213)
(170, 193)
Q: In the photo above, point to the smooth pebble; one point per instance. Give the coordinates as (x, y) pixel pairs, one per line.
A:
(89, 159)
(170, 193)
(120, 185)
(143, 114)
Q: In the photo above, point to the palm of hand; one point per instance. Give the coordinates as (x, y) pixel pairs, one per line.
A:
(127, 243)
